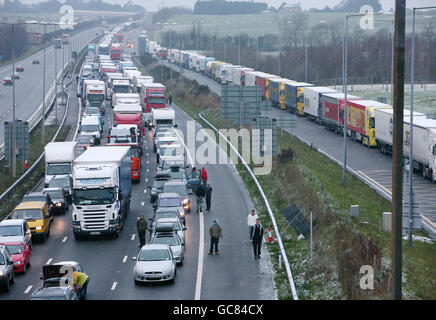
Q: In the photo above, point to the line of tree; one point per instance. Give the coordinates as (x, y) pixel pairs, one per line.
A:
(351, 6)
(166, 13)
(221, 7)
(52, 6)
(369, 56)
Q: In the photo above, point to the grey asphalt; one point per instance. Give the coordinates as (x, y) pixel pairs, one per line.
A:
(368, 162)
(234, 274)
(29, 88)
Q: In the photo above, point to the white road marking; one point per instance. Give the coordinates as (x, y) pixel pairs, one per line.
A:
(145, 190)
(148, 170)
(200, 259)
(125, 259)
(148, 161)
(133, 237)
(49, 261)
(65, 239)
(142, 204)
(114, 286)
(146, 179)
(28, 289)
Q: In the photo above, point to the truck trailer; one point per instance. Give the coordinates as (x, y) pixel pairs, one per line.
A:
(101, 191)
(59, 158)
(294, 96)
(332, 105)
(312, 102)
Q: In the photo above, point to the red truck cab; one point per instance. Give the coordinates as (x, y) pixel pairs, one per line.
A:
(153, 96)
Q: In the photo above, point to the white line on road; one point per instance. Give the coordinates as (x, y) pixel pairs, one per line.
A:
(148, 170)
(133, 237)
(200, 259)
(145, 190)
(142, 204)
(65, 239)
(114, 286)
(49, 261)
(28, 289)
(146, 179)
(148, 161)
(125, 259)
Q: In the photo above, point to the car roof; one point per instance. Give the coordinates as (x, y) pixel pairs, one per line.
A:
(32, 194)
(154, 246)
(52, 189)
(169, 195)
(31, 205)
(12, 222)
(169, 209)
(175, 182)
(167, 220)
(61, 176)
(50, 291)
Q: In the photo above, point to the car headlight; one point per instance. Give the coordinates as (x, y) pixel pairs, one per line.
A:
(185, 201)
(17, 262)
(1, 273)
(39, 228)
(59, 204)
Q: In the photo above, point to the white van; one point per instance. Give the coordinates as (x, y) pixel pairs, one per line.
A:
(91, 125)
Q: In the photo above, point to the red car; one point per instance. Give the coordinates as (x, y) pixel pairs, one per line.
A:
(20, 255)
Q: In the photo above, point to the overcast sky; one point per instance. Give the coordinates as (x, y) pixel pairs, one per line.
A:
(153, 5)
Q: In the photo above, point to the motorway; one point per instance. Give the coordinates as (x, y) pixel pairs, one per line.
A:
(235, 274)
(29, 88)
(370, 163)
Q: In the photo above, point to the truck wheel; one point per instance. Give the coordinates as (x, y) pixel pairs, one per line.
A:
(77, 237)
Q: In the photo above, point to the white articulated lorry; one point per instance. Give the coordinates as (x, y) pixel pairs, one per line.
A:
(101, 191)
(59, 158)
(312, 101)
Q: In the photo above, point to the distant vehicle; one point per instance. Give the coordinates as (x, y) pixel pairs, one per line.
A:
(65, 38)
(19, 69)
(166, 235)
(58, 43)
(7, 275)
(7, 81)
(35, 61)
(15, 230)
(20, 255)
(15, 76)
(84, 141)
(178, 226)
(65, 182)
(155, 263)
(157, 185)
(59, 199)
(129, 44)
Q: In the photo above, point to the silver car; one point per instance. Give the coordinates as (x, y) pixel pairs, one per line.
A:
(155, 263)
(7, 275)
(15, 230)
(179, 187)
(178, 227)
(171, 238)
(170, 200)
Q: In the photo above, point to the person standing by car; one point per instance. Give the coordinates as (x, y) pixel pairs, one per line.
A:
(204, 175)
(170, 99)
(200, 192)
(80, 281)
(251, 221)
(215, 233)
(208, 196)
(141, 225)
(257, 237)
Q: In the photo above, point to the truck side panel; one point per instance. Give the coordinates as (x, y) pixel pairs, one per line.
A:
(356, 118)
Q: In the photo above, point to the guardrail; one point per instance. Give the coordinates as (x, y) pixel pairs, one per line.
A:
(271, 214)
(36, 163)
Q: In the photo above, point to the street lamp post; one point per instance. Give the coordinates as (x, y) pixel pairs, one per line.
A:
(43, 94)
(14, 159)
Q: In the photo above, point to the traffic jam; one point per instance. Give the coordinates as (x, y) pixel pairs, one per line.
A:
(92, 177)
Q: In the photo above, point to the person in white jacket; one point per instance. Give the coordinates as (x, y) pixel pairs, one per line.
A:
(251, 221)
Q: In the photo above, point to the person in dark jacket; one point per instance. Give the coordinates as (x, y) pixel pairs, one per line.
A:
(200, 192)
(215, 233)
(208, 196)
(141, 225)
(170, 99)
(257, 237)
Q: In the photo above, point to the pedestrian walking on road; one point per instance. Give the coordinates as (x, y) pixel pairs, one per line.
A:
(215, 233)
(208, 196)
(141, 225)
(170, 99)
(204, 175)
(80, 284)
(257, 237)
(251, 221)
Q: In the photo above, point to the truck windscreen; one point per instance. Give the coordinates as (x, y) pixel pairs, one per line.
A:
(90, 127)
(156, 100)
(164, 122)
(58, 169)
(95, 97)
(94, 196)
(121, 89)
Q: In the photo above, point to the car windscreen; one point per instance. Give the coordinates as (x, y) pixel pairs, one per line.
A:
(179, 189)
(121, 89)
(55, 194)
(169, 164)
(89, 127)
(84, 140)
(161, 215)
(59, 183)
(177, 175)
(169, 151)
(54, 169)
(171, 240)
(156, 100)
(169, 202)
(154, 255)
(95, 97)
(10, 231)
(158, 184)
(14, 248)
(28, 214)
(92, 111)
(94, 196)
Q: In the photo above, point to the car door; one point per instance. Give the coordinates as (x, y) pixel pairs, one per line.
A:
(26, 253)
(193, 179)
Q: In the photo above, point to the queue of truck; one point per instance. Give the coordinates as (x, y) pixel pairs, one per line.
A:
(365, 118)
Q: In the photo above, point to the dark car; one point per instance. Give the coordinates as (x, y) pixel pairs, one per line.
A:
(59, 199)
(157, 185)
(19, 69)
(41, 196)
(65, 182)
(35, 61)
